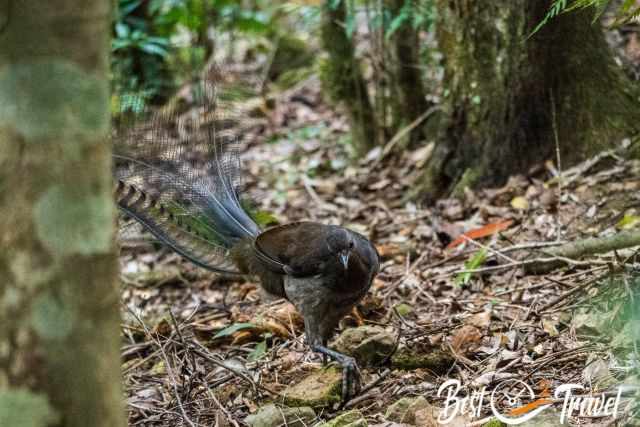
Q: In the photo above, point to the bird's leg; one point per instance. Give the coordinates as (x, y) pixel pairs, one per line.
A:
(350, 371)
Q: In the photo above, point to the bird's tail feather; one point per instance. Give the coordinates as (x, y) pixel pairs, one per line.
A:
(177, 173)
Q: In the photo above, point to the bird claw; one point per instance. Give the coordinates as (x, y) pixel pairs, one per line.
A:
(351, 378)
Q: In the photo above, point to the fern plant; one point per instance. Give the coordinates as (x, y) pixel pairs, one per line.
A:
(628, 11)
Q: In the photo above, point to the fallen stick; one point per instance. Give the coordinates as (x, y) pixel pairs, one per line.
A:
(575, 250)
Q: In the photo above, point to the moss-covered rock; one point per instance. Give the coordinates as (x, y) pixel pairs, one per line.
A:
(404, 410)
(274, 416)
(319, 389)
(352, 418)
(435, 359)
(369, 345)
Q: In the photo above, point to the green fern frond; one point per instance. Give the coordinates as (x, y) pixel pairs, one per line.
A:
(557, 7)
(628, 11)
(627, 14)
(599, 5)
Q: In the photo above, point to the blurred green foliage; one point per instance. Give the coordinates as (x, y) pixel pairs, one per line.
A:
(158, 44)
(420, 14)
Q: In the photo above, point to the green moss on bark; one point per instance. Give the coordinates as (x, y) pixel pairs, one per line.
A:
(507, 94)
(342, 78)
(59, 353)
(23, 408)
(49, 97)
(63, 217)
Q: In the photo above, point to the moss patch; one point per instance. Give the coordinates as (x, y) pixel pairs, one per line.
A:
(468, 179)
(352, 418)
(24, 408)
(52, 98)
(67, 223)
(275, 416)
(434, 359)
(320, 388)
(51, 318)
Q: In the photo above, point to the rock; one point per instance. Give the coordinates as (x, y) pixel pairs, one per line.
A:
(418, 412)
(435, 359)
(275, 416)
(428, 417)
(318, 389)
(348, 419)
(369, 345)
(404, 410)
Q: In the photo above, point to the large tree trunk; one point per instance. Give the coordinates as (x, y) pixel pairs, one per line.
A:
(342, 77)
(59, 334)
(506, 95)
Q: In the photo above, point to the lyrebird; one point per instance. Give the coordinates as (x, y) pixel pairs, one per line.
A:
(178, 175)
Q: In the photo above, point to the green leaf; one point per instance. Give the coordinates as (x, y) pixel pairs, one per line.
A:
(119, 44)
(350, 25)
(251, 25)
(403, 16)
(126, 7)
(395, 24)
(628, 221)
(230, 330)
(258, 351)
(554, 10)
(154, 49)
(474, 262)
(122, 30)
(262, 218)
(333, 4)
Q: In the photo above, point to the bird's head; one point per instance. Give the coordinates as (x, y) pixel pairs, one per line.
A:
(340, 243)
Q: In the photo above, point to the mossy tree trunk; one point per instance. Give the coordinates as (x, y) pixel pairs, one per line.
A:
(408, 100)
(59, 334)
(342, 77)
(506, 93)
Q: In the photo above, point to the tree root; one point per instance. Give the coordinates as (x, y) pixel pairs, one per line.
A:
(575, 250)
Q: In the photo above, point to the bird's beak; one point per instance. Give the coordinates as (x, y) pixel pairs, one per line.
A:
(344, 257)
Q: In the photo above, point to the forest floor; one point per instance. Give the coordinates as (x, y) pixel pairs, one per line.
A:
(455, 298)
(199, 349)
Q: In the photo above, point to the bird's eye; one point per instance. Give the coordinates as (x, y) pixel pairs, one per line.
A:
(351, 244)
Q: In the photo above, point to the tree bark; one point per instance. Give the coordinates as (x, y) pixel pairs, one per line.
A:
(59, 334)
(508, 96)
(408, 102)
(342, 77)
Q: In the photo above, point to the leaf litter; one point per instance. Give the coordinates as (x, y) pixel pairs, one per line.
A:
(201, 349)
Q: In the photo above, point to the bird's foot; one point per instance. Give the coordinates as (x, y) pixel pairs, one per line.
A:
(351, 383)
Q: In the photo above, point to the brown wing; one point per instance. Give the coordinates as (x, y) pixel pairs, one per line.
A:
(298, 248)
